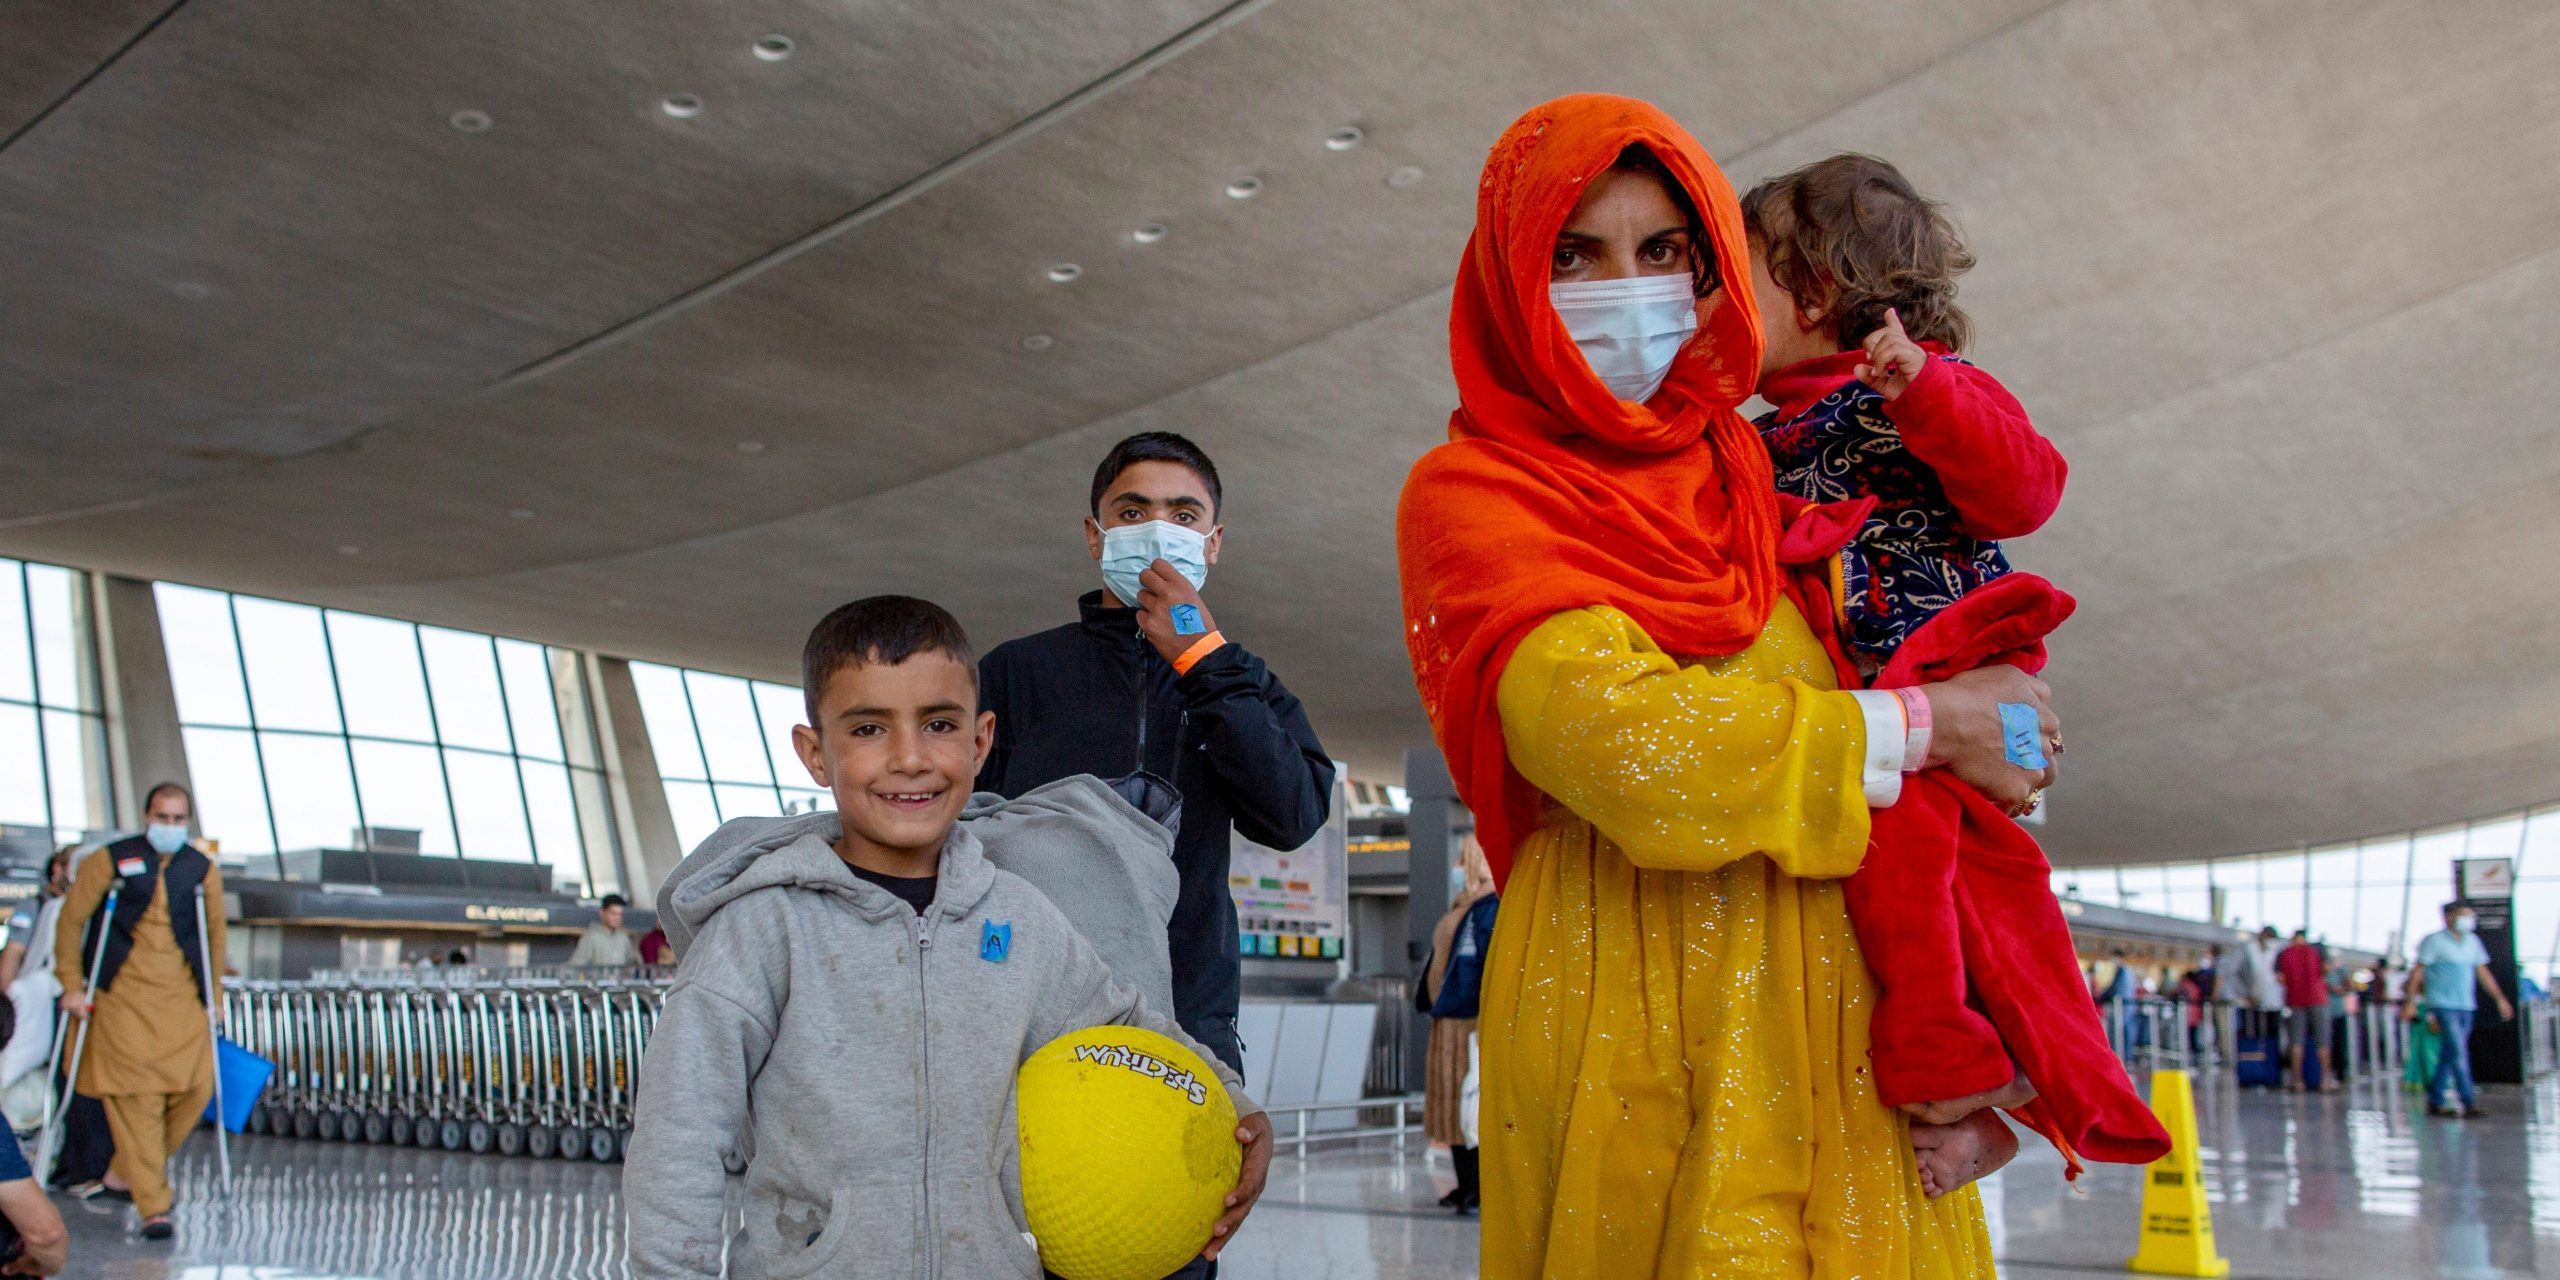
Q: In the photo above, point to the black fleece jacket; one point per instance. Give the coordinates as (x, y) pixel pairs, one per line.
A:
(1094, 697)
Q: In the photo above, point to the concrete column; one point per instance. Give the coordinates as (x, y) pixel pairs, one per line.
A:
(650, 847)
(1432, 825)
(144, 745)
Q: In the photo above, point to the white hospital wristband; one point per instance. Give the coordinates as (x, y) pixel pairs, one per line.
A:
(1887, 737)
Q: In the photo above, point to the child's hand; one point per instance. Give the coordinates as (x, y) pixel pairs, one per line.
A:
(1253, 1133)
(1893, 359)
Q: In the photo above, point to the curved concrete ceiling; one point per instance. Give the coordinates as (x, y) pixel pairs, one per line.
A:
(2272, 275)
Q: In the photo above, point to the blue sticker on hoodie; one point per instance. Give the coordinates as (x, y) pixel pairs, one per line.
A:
(995, 941)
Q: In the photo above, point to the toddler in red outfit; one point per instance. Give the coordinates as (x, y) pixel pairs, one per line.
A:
(1982, 1002)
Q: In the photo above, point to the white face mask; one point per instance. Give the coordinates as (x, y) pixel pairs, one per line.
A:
(1629, 330)
(166, 837)
(2465, 924)
(1128, 549)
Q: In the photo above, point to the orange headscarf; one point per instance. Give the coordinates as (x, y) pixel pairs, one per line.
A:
(1552, 494)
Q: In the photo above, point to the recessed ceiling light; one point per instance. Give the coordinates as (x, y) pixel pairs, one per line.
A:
(350, 549)
(774, 48)
(1151, 233)
(1038, 342)
(1244, 188)
(1405, 176)
(1344, 138)
(1065, 272)
(683, 106)
(751, 446)
(471, 120)
(522, 513)
(191, 290)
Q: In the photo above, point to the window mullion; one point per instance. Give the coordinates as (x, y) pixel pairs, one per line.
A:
(507, 718)
(435, 729)
(346, 730)
(35, 687)
(257, 745)
(693, 720)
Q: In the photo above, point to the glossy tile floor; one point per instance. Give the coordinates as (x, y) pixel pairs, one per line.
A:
(2341, 1187)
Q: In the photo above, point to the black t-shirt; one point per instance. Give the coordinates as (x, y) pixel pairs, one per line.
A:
(917, 891)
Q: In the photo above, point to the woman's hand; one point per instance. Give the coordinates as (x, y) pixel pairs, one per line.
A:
(1966, 736)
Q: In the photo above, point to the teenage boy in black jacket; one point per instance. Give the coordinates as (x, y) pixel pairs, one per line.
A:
(1145, 681)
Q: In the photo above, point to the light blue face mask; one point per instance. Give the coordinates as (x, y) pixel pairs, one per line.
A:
(167, 838)
(1128, 549)
(1629, 330)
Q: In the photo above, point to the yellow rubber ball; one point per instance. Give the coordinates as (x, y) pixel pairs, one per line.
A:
(1128, 1153)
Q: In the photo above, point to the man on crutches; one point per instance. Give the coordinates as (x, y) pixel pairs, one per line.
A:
(149, 1000)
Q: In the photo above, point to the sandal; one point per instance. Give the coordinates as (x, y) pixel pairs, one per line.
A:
(159, 1228)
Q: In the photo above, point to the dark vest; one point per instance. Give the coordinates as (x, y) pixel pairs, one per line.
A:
(133, 895)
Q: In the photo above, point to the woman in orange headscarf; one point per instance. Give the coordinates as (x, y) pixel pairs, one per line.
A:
(1663, 769)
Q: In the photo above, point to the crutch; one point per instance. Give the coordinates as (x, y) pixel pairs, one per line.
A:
(213, 1042)
(79, 1044)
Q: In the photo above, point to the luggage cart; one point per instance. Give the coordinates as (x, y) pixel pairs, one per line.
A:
(542, 1063)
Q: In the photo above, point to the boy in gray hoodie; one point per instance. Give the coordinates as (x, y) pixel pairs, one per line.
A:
(855, 999)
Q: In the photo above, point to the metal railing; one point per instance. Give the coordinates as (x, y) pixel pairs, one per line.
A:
(1403, 1118)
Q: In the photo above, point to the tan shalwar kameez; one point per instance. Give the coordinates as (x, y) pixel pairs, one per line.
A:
(149, 1056)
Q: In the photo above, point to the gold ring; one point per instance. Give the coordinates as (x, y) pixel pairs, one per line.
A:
(2035, 800)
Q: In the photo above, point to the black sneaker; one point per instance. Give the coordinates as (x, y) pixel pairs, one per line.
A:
(159, 1228)
(2474, 1111)
(101, 1191)
(2449, 1113)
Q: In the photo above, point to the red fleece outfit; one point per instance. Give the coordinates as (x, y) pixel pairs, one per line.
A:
(1954, 906)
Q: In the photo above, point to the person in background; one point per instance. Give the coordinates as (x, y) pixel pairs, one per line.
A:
(654, 947)
(44, 1246)
(2261, 996)
(2118, 986)
(604, 944)
(1145, 681)
(23, 922)
(2440, 981)
(150, 1046)
(2191, 999)
(2342, 1003)
(22, 1090)
(2306, 1003)
(1453, 978)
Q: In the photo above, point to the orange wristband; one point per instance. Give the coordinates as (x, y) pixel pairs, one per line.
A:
(1199, 649)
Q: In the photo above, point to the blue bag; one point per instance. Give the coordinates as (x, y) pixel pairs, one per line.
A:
(244, 1077)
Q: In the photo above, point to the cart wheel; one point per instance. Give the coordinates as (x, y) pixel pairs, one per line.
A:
(426, 1133)
(376, 1127)
(482, 1136)
(403, 1131)
(510, 1139)
(305, 1122)
(328, 1126)
(258, 1118)
(573, 1143)
(450, 1135)
(538, 1142)
(601, 1146)
(621, 1144)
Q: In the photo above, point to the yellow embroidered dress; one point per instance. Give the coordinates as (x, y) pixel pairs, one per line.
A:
(1675, 1012)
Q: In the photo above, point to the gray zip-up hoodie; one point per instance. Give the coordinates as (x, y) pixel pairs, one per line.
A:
(852, 1062)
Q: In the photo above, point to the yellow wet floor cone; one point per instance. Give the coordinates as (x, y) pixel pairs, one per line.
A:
(2177, 1226)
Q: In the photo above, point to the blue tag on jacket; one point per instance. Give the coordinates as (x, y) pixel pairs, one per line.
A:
(994, 941)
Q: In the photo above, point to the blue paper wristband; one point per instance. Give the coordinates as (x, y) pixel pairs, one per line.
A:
(1186, 621)
(2022, 735)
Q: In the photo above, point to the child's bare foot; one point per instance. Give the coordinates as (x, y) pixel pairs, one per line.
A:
(2016, 1093)
(1952, 1155)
